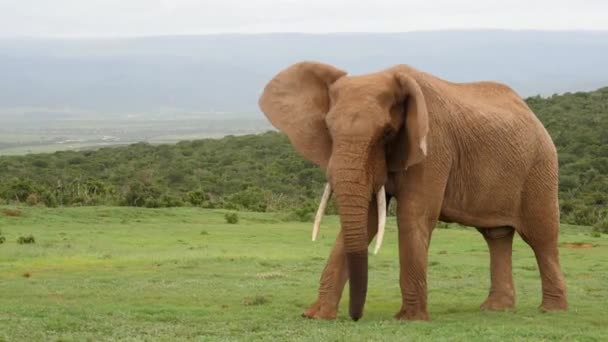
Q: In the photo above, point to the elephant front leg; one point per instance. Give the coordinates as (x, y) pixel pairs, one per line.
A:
(413, 249)
(335, 274)
(415, 222)
(332, 283)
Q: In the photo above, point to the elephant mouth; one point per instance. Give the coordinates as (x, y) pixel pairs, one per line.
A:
(380, 200)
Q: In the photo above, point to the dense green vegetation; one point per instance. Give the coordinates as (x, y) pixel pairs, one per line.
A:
(184, 274)
(578, 124)
(254, 172)
(264, 173)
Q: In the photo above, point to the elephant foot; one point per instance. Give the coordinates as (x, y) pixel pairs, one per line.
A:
(498, 303)
(553, 304)
(321, 310)
(411, 315)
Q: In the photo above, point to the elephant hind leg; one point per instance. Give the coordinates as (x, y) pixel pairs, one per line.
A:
(539, 228)
(546, 252)
(502, 291)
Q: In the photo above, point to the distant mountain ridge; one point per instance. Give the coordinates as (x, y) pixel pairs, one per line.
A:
(217, 75)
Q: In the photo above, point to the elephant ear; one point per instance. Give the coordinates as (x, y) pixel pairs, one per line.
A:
(410, 147)
(296, 102)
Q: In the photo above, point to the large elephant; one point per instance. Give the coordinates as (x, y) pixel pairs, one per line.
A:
(472, 153)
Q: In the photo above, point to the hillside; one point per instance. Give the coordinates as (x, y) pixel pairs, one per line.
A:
(264, 173)
(578, 124)
(213, 75)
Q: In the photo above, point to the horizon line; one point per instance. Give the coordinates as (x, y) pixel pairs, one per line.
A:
(157, 35)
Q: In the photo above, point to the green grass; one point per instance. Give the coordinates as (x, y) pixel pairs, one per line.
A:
(184, 274)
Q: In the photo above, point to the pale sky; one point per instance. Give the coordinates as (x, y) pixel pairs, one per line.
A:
(82, 18)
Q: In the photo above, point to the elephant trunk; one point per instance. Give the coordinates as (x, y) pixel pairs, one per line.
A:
(353, 199)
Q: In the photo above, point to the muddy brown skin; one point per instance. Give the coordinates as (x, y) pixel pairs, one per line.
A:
(471, 153)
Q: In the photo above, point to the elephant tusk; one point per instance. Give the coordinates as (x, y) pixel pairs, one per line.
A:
(381, 200)
(321, 211)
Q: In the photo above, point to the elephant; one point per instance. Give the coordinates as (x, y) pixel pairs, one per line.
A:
(471, 153)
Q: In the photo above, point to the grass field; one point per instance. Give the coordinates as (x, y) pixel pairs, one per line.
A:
(184, 274)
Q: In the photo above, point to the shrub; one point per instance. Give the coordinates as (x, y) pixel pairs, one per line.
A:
(23, 240)
(583, 215)
(32, 200)
(140, 194)
(49, 199)
(601, 226)
(152, 203)
(303, 214)
(231, 218)
(253, 198)
(196, 197)
(168, 201)
(19, 189)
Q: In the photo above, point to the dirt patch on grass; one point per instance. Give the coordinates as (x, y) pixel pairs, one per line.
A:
(11, 212)
(576, 245)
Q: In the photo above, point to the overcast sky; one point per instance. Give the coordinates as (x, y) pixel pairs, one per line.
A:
(153, 17)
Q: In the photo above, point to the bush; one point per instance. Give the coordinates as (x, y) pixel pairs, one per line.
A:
(23, 240)
(253, 198)
(140, 194)
(231, 218)
(303, 214)
(32, 200)
(583, 215)
(196, 197)
(152, 203)
(19, 189)
(168, 201)
(49, 199)
(601, 226)
(2, 239)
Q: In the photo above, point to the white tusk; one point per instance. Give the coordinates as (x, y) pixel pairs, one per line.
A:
(321, 211)
(381, 200)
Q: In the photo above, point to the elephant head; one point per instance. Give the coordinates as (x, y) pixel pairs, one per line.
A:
(357, 128)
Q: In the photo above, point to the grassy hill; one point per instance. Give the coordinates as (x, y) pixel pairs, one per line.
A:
(264, 173)
(100, 273)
